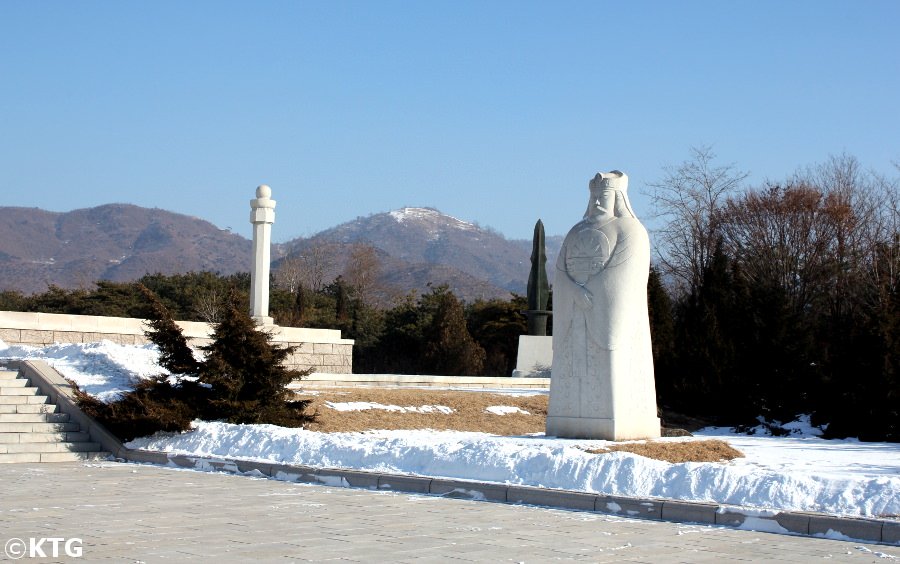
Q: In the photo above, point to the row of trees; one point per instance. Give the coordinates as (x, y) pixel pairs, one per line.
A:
(434, 333)
(781, 300)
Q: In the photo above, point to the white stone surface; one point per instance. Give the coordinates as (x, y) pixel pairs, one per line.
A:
(602, 384)
(262, 216)
(535, 357)
(101, 326)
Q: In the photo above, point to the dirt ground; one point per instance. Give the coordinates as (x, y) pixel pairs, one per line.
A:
(470, 413)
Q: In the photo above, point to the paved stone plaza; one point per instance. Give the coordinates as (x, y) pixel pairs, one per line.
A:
(129, 512)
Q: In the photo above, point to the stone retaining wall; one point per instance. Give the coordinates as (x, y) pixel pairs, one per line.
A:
(322, 350)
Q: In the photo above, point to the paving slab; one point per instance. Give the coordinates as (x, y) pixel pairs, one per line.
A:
(155, 513)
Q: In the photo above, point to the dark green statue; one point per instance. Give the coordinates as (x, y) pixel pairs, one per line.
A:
(538, 287)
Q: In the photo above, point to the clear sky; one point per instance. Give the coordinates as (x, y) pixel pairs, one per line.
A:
(492, 111)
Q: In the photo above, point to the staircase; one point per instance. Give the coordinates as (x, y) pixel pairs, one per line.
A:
(31, 430)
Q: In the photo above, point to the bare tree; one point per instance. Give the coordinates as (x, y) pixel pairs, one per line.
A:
(688, 199)
(208, 305)
(290, 274)
(787, 237)
(863, 248)
(362, 270)
(319, 265)
(312, 267)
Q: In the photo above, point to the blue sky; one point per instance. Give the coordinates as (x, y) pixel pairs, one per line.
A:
(492, 111)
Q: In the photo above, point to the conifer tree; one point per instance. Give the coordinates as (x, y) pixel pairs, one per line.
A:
(449, 348)
(246, 372)
(174, 353)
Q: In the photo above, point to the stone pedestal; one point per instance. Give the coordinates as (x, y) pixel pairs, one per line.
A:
(535, 357)
(262, 216)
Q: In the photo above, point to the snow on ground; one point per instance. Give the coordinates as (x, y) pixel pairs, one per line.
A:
(800, 472)
(103, 369)
(365, 405)
(504, 409)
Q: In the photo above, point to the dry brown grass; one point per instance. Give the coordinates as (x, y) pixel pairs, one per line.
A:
(676, 452)
(468, 411)
(469, 414)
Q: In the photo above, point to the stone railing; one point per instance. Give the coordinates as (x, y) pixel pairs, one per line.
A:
(323, 350)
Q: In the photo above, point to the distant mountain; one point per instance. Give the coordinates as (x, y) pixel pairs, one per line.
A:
(418, 246)
(413, 247)
(118, 242)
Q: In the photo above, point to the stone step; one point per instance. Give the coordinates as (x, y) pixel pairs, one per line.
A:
(39, 427)
(16, 383)
(34, 417)
(16, 400)
(8, 374)
(21, 391)
(27, 408)
(52, 457)
(15, 448)
(29, 437)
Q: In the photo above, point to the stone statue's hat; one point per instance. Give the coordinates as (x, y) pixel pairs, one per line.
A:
(612, 180)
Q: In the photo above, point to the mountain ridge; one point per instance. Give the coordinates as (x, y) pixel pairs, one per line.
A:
(416, 247)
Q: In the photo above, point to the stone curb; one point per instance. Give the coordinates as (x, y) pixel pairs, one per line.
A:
(800, 523)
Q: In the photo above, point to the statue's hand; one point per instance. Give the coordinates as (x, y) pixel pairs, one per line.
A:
(584, 299)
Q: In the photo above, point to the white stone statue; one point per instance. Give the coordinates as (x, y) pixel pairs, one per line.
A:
(601, 384)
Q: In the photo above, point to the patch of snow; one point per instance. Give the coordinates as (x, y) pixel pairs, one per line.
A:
(800, 427)
(762, 525)
(364, 405)
(874, 552)
(430, 216)
(466, 494)
(333, 481)
(505, 410)
(104, 369)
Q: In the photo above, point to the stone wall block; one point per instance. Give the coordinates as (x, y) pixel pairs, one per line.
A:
(93, 337)
(67, 337)
(322, 348)
(308, 360)
(36, 337)
(11, 336)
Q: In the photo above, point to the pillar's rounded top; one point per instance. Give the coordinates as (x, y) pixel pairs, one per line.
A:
(263, 191)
